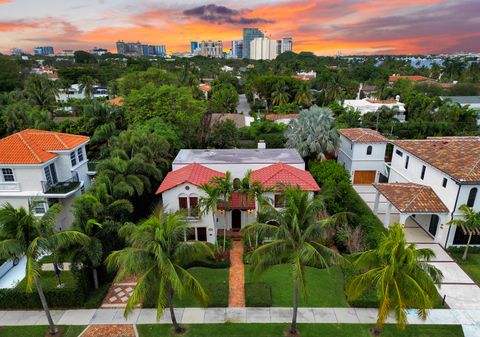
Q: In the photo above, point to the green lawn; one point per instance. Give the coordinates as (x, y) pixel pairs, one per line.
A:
(306, 330)
(50, 281)
(324, 286)
(38, 331)
(96, 296)
(471, 265)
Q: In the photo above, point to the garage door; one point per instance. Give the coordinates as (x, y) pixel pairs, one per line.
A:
(364, 177)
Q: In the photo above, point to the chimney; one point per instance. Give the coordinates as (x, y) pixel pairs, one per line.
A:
(261, 144)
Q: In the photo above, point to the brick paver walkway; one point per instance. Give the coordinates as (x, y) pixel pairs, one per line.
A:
(119, 293)
(236, 295)
(118, 330)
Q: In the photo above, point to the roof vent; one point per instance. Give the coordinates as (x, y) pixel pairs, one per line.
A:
(261, 144)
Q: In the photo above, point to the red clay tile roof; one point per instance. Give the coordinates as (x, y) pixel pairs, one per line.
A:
(236, 202)
(384, 101)
(412, 198)
(459, 157)
(304, 77)
(275, 117)
(33, 146)
(117, 101)
(283, 174)
(195, 174)
(205, 87)
(415, 78)
(360, 135)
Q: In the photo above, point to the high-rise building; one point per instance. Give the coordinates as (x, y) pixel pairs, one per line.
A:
(262, 48)
(16, 51)
(287, 44)
(43, 50)
(211, 49)
(249, 34)
(134, 49)
(237, 49)
(154, 50)
(194, 45)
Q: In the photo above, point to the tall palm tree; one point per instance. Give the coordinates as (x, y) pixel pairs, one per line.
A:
(224, 186)
(24, 234)
(157, 253)
(87, 84)
(471, 223)
(209, 202)
(303, 96)
(296, 234)
(41, 92)
(400, 273)
(280, 94)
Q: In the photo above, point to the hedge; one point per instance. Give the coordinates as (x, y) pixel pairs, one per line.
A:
(460, 250)
(258, 295)
(209, 263)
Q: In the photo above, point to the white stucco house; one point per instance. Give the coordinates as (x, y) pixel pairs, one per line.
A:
(192, 168)
(42, 168)
(428, 180)
(362, 153)
(367, 105)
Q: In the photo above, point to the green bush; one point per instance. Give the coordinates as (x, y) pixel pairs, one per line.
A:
(328, 171)
(228, 242)
(460, 250)
(217, 294)
(258, 295)
(209, 263)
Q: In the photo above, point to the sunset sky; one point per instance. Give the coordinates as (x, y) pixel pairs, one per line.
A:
(325, 27)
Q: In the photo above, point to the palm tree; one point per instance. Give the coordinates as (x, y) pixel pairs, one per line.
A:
(303, 95)
(313, 133)
(157, 253)
(224, 186)
(87, 84)
(470, 223)
(209, 202)
(41, 92)
(24, 234)
(280, 94)
(296, 234)
(401, 275)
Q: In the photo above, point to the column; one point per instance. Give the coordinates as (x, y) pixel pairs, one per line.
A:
(377, 201)
(386, 221)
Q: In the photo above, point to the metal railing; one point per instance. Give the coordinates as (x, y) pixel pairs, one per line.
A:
(61, 187)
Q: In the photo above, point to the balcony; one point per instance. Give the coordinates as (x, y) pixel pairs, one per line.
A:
(9, 187)
(62, 187)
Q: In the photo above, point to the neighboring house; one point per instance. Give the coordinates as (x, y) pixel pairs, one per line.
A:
(415, 78)
(226, 68)
(473, 102)
(191, 168)
(305, 76)
(75, 91)
(240, 120)
(205, 88)
(367, 105)
(362, 153)
(368, 90)
(283, 119)
(43, 167)
(428, 180)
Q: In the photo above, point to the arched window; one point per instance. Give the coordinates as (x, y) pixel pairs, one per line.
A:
(472, 196)
(237, 183)
(369, 150)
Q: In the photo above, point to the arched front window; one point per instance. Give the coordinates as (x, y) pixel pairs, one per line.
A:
(369, 150)
(472, 196)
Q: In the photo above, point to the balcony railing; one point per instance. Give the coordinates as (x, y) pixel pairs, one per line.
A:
(61, 187)
(9, 187)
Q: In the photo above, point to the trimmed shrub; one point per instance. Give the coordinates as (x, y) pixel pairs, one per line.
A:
(218, 294)
(209, 263)
(460, 250)
(258, 295)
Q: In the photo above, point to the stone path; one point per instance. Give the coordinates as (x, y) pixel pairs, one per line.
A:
(236, 294)
(119, 330)
(119, 293)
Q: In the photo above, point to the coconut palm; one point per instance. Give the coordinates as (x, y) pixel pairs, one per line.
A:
(24, 234)
(401, 275)
(87, 85)
(313, 133)
(470, 222)
(303, 96)
(41, 92)
(157, 254)
(296, 233)
(209, 202)
(280, 94)
(224, 186)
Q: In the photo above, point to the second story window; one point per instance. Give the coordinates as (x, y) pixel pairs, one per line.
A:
(40, 208)
(51, 174)
(369, 150)
(444, 182)
(472, 196)
(422, 175)
(8, 175)
(80, 154)
(400, 153)
(73, 158)
(406, 162)
(279, 201)
(182, 203)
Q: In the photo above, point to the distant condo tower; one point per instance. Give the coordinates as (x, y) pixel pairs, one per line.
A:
(249, 34)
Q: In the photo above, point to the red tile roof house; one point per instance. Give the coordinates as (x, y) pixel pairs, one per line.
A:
(424, 184)
(44, 167)
(192, 168)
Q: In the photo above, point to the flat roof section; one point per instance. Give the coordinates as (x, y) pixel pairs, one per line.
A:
(238, 156)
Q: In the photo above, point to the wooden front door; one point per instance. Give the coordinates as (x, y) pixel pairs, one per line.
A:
(364, 177)
(236, 219)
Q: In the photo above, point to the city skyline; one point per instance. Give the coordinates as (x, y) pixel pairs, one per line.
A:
(323, 27)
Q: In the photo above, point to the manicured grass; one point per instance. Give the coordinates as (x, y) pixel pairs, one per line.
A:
(38, 331)
(324, 286)
(50, 281)
(471, 265)
(306, 330)
(49, 259)
(216, 283)
(95, 298)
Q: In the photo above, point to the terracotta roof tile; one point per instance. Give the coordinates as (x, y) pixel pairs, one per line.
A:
(195, 174)
(34, 146)
(275, 117)
(117, 101)
(360, 135)
(459, 157)
(412, 198)
(236, 202)
(283, 174)
(411, 78)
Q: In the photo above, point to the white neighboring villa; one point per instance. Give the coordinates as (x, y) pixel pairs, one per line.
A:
(43, 167)
(367, 105)
(76, 91)
(192, 168)
(428, 180)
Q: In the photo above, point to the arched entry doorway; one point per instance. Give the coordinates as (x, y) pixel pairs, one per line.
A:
(236, 219)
